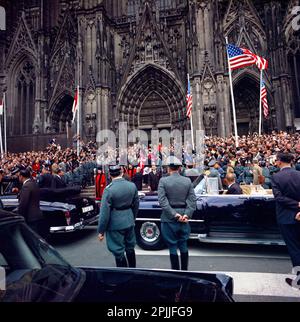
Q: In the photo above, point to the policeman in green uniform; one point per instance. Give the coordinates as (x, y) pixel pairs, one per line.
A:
(119, 208)
(178, 202)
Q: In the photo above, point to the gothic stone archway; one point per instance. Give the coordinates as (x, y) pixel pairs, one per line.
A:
(61, 114)
(246, 92)
(152, 98)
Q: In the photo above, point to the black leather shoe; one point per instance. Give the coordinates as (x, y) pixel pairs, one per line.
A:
(290, 281)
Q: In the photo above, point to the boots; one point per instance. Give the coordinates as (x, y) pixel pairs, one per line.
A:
(121, 262)
(131, 258)
(184, 261)
(174, 262)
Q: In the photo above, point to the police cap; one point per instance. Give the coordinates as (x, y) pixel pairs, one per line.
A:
(115, 170)
(17, 169)
(173, 161)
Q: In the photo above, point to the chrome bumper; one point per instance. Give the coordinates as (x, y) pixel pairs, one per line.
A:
(71, 228)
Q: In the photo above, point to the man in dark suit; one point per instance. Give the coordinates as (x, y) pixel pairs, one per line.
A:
(29, 203)
(154, 178)
(286, 190)
(233, 187)
(45, 179)
(138, 179)
(57, 181)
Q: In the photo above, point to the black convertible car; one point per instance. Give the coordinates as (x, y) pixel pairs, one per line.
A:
(246, 219)
(35, 272)
(64, 209)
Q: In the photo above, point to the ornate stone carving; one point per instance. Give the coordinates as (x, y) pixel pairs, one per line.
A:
(22, 42)
(210, 119)
(91, 126)
(36, 128)
(62, 67)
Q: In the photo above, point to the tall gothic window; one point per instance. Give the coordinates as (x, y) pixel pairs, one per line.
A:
(132, 7)
(24, 99)
(164, 4)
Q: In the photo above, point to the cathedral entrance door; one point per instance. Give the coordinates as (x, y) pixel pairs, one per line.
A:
(61, 117)
(246, 93)
(154, 113)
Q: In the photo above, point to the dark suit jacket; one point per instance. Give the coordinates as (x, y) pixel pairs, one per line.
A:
(154, 180)
(58, 182)
(45, 180)
(29, 202)
(286, 190)
(235, 189)
(138, 181)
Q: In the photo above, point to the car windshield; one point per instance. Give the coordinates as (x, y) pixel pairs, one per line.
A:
(34, 271)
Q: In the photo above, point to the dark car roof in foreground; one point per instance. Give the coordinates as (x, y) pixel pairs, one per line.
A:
(9, 216)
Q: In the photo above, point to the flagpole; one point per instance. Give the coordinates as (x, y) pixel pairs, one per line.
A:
(5, 127)
(191, 118)
(232, 98)
(192, 130)
(260, 103)
(78, 121)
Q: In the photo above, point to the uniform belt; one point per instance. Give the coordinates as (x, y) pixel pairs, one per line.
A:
(123, 208)
(178, 206)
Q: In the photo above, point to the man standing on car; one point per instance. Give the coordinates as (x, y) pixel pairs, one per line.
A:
(286, 190)
(177, 199)
(119, 208)
(29, 204)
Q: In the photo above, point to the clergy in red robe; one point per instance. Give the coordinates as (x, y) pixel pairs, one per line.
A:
(100, 183)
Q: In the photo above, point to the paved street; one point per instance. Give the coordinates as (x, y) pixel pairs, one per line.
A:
(258, 271)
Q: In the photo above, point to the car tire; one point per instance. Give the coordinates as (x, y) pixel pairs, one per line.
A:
(148, 235)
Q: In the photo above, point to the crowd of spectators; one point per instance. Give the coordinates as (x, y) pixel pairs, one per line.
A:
(253, 158)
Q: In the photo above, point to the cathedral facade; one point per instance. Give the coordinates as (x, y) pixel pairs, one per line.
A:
(131, 60)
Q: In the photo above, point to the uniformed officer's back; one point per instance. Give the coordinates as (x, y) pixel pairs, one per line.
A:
(124, 191)
(121, 196)
(177, 189)
(177, 199)
(119, 208)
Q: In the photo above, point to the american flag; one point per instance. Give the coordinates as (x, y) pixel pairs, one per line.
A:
(241, 57)
(189, 100)
(75, 104)
(264, 99)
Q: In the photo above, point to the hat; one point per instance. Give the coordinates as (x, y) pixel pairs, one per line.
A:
(173, 161)
(15, 170)
(212, 163)
(115, 170)
(25, 173)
